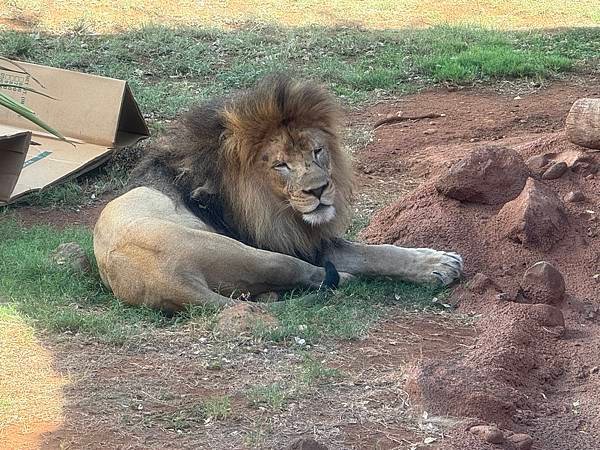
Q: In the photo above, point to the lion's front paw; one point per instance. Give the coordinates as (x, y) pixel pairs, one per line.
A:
(442, 267)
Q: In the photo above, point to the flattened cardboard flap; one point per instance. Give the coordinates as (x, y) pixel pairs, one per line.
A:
(13, 149)
(97, 114)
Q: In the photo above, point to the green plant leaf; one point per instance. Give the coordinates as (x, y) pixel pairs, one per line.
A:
(28, 114)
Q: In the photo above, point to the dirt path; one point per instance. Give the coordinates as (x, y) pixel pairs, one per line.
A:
(31, 398)
(149, 396)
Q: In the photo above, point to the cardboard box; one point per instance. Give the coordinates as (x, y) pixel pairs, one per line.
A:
(96, 114)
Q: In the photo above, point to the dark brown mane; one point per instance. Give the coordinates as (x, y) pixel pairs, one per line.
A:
(206, 160)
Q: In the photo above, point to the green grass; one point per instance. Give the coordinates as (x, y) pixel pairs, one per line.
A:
(169, 69)
(191, 416)
(273, 396)
(311, 373)
(217, 408)
(315, 372)
(346, 313)
(58, 300)
(55, 299)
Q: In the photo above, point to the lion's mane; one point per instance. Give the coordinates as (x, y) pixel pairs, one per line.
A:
(206, 161)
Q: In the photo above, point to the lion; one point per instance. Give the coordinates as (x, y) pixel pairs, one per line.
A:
(248, 194)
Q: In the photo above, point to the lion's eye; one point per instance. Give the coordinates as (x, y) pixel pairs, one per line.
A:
(318, 152)
(281, 166)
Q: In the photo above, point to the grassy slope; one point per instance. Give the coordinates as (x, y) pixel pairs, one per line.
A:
(168, 69)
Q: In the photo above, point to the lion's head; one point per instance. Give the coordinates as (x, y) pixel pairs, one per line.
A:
(267, 163)
(288, 179)
(295, 165)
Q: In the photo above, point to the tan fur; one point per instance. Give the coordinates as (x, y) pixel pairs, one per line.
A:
(229, 199)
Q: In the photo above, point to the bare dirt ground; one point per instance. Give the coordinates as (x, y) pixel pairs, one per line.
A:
(146, 395)
(532, 371)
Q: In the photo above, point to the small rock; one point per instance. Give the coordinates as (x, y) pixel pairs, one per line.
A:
(430, 131)
(489, 175)
(538, 164)
(574, 197)
(584, 165)
(73, 256)
(535, 219)
(594, 369)
(306, 444)
(543, 283)
(521, 441)
(555, 171)
(503, 297)
(488, 433)
(481, 283)
(244, 317)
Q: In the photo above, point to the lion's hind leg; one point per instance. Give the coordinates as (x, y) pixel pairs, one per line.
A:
(192, 294)
(141, 275)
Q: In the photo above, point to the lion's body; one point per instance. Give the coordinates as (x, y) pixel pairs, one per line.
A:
(247, 194)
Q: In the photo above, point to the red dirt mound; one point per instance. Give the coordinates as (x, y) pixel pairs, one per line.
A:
(525, 372)
(535, 219)
(488, 235)
(500, 379)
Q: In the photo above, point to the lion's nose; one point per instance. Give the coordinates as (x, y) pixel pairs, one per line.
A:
(317, 192)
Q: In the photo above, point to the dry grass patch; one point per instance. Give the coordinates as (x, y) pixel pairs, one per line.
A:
(110, 16)
(31, 397)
